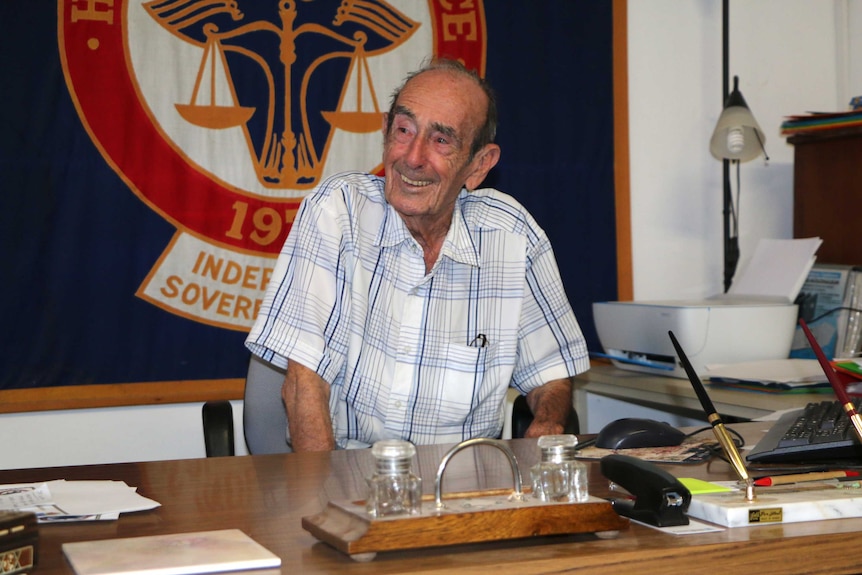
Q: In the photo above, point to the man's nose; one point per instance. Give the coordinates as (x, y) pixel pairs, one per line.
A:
(417, 152)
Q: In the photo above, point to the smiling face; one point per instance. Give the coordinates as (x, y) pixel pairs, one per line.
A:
(427, 149)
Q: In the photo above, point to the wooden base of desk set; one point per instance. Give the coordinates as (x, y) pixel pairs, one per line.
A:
(466, 518)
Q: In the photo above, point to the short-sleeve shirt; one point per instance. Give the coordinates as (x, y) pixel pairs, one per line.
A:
(426, 357)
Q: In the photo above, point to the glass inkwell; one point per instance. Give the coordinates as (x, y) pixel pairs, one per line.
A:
(559, 476)
(394, 489)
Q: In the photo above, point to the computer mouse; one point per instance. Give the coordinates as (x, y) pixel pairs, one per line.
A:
(638, 432)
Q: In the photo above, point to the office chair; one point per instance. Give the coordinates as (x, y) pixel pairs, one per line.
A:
(265, 422)
(263, 418)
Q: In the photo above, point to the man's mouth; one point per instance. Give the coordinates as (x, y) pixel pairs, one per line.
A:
(416, 183)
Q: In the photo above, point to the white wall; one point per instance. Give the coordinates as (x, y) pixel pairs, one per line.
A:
(106, 435)
(791, 56)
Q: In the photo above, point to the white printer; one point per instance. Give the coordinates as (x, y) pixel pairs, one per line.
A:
(712, 331)
(754, 321)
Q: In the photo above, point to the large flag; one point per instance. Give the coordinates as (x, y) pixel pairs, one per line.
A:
(153, 154)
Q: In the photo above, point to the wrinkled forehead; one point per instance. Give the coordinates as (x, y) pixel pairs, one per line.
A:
(452, 99)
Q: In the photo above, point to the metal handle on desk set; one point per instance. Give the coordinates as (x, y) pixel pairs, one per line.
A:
(502, 446)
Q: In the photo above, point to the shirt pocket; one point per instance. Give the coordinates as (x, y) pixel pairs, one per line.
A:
(462, 385)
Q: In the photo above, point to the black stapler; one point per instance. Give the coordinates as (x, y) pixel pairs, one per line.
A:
(659, 498)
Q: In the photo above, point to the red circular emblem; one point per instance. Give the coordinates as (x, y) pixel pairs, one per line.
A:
(146, 77)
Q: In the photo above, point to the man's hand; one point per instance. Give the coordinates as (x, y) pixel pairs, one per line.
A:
(551, 405)
(306, 400)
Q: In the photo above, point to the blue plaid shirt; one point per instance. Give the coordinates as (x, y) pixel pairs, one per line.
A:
(423, 357)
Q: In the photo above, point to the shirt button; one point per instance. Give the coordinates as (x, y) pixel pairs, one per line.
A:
(399, 405)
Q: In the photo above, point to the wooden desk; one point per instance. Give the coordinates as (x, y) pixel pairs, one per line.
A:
(266, 496)
(677, 396)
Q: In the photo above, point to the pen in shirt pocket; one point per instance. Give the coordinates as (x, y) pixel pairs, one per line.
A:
(481, 340)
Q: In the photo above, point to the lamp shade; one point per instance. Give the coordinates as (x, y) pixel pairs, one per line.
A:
(737, 135)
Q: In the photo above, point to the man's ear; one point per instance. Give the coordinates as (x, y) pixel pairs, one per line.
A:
(482, 163)
(385, 123)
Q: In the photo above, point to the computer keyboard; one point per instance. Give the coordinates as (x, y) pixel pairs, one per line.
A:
(820, 431)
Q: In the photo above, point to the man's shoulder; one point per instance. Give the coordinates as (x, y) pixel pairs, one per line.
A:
(491, 208)
(350, 183)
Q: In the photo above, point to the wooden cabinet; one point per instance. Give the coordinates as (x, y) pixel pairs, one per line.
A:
(827, 192)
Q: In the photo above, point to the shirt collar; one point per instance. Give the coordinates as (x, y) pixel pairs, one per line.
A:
(458, 245)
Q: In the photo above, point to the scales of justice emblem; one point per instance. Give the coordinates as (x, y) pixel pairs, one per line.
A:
(287, 141)
(233, 110)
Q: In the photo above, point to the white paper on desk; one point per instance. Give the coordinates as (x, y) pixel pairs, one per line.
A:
(694, 527)
(62, 500)
(13, 497)
(774, 416)
(85, 497)
(777, 269)
(785, 371)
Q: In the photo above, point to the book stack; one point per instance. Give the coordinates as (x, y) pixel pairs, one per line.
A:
(830, 302)
(816, 122)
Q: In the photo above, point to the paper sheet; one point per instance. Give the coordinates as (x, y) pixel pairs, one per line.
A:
(788, 371)
(63, 500)
(777, 269)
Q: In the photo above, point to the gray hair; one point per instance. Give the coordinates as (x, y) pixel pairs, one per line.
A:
(488, 130)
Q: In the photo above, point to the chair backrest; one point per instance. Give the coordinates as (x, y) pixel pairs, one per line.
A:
(265, 421)
(263, 418)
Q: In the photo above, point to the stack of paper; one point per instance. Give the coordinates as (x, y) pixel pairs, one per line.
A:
(817, 122)
(771, 375)
(63, 500)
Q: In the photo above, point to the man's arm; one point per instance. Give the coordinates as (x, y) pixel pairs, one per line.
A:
(551, 404)
(306, 400)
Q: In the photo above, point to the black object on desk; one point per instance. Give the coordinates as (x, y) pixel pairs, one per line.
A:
(819, 432)
(659, 498)
(19, 536)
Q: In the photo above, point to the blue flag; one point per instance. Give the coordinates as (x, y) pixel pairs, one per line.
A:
(153, 154)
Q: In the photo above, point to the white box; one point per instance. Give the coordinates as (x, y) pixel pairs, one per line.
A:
(713, 331)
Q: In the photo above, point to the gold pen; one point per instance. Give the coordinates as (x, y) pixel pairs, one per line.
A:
(714, 419)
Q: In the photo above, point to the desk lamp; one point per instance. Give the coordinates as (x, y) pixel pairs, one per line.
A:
(737, 135)
(737, 138)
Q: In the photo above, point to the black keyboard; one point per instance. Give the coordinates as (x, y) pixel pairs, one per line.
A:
(820, 431)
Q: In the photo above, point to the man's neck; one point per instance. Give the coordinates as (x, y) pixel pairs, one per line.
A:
(430, 238)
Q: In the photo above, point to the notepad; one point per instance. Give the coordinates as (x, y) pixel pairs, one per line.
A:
(174, 554)
(699, 486)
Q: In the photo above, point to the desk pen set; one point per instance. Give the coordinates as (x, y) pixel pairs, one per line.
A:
(788, 503)
(396, 516)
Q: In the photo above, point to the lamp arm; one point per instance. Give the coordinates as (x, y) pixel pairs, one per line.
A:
(731, 237)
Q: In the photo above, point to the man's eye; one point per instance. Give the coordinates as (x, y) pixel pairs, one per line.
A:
(402, 134)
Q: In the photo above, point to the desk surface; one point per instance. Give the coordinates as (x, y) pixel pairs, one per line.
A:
(677, 395)
(266, 496)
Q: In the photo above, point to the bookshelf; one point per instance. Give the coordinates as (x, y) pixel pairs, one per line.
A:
(827, 191)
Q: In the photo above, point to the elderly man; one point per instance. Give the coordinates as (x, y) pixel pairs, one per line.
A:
(405, 307)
